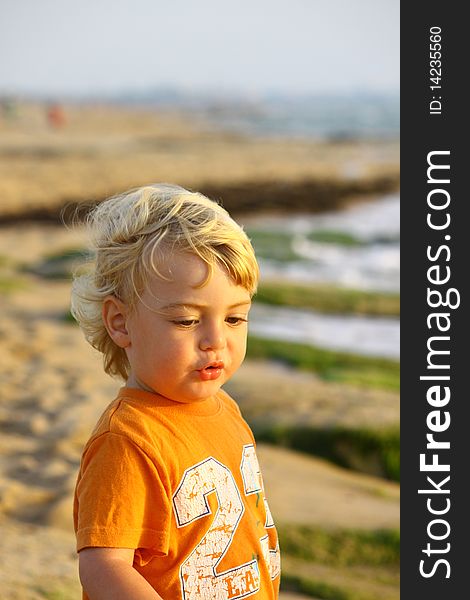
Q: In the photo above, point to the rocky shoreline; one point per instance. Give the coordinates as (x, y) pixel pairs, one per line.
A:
(306, 196)
(102, 151)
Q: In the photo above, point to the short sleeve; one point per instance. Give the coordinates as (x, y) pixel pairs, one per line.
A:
(122, 498)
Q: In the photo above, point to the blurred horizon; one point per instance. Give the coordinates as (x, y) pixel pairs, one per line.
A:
(323, 116)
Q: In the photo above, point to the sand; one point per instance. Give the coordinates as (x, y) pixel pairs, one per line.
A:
(52, 385)
(53, 389)
(105, 150)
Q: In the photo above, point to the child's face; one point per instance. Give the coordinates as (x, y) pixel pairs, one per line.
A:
(196, 341)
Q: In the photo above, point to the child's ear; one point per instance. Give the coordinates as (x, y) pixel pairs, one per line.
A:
(114, 318)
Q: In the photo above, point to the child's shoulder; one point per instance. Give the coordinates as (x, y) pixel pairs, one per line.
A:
(123, 417)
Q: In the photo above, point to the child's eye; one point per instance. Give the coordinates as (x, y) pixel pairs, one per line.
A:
(186, 322)
(236, 320)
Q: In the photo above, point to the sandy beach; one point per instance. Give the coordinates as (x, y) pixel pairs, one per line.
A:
(104, 150)
(53, 387)
(53, 390)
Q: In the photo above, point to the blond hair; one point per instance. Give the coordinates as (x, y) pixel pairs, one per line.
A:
(131, 233)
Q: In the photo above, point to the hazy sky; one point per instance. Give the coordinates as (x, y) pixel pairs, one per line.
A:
(251, 46)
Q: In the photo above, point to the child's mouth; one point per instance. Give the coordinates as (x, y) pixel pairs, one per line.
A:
(211, 371)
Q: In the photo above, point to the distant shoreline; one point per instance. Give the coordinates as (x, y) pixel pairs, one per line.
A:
(311, 196)
(49, 169)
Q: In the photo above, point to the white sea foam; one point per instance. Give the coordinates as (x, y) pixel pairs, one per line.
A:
(374, 266)
(375, 336)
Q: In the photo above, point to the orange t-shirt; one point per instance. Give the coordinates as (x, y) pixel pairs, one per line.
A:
(181, 484)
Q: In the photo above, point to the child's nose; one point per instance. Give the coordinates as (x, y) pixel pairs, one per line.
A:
(213, 338)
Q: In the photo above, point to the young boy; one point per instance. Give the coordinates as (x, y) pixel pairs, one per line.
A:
(169, 501)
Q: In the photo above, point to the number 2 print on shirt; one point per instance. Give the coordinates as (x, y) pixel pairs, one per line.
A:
(199, 576)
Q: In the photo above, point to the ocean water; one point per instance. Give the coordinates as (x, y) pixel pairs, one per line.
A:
(370, 336)
(373, 263)
(320, 116)
(331, 117)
